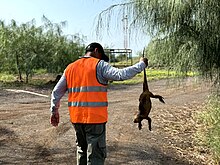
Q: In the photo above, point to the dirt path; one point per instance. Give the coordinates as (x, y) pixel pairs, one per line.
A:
(26, 136)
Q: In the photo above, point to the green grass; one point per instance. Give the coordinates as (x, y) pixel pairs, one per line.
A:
(40, 79)
(153, 74)
(7, 77)
(210, 132)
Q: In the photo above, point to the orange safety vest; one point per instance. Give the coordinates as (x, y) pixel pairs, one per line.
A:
(87, 98)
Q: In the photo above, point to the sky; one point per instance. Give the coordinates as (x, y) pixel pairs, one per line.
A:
(81, 17)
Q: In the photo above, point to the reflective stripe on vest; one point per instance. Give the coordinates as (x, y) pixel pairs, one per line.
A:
(87, 104)
(88, 89)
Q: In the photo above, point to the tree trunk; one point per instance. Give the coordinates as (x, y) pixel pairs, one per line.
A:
(18, 67)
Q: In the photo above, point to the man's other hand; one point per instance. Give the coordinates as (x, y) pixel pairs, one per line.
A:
(54, 119)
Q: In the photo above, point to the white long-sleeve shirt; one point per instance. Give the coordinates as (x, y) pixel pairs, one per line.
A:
(105, 72)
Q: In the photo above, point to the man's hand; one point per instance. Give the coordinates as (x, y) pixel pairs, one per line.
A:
(54, 119)
(145, 60)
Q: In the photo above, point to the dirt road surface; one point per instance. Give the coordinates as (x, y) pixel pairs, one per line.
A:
(26, 136)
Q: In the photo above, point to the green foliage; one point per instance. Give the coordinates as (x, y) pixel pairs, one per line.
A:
(190, 30)
(160, 54)
(186, 33)
(4, 77)
(211, 121)
(25, 48)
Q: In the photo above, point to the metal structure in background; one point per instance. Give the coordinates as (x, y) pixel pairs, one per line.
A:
(113, 53)
(125, 54)
(125, 30)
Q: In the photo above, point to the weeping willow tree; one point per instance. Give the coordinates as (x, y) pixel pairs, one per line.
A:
(187, 31)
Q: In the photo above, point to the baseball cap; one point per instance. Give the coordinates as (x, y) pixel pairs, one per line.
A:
(91, 47)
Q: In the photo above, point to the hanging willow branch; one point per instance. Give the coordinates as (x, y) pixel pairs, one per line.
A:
(189, 27)
(105, 17)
